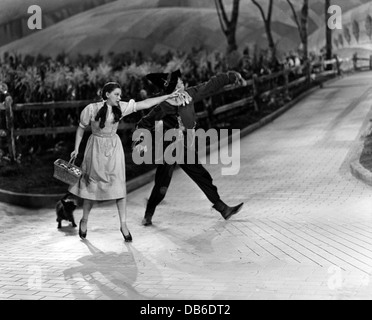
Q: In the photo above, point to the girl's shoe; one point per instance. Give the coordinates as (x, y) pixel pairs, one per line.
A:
(82, 234)
(127, 238)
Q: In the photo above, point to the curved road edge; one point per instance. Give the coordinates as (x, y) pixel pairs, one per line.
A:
(357, 170)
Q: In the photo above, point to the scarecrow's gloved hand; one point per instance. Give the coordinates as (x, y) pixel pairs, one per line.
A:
(183, 98)
(240, 81)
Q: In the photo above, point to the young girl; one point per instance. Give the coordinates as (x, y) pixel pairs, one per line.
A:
(103, 166)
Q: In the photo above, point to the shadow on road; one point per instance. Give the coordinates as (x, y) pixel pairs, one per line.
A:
(113, 274)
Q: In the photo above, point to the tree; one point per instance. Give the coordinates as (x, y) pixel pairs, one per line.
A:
(356, 30)
(302, 25)
(341, 40)
(328, 31)
(347, 35)
(335, 41)
(369, 26)
(228, 26)
(302, 29)
(267, 22)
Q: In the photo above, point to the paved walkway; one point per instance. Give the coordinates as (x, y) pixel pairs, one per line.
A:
(305, 231)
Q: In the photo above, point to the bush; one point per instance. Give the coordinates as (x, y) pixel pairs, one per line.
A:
(41, 79)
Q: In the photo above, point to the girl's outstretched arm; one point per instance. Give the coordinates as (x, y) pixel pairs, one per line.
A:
(148, 103)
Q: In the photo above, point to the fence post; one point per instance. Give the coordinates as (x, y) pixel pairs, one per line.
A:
(286, 82)
(355, 61)
(307, 68)
(10, 127)
(208, 107)
(255, 92)
(2, 132)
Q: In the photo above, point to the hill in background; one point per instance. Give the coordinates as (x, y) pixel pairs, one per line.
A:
(153, 25)
(355, 36)
(14, 15)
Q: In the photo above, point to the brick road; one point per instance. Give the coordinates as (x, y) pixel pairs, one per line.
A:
(305, 231)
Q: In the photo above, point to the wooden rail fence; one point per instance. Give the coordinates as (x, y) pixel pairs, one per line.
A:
(357, 66)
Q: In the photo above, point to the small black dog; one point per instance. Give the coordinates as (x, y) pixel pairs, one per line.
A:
(65, 210)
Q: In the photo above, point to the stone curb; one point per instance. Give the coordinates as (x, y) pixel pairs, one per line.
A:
(37, 201)
(356, 168)
(361, 173)
(29, 200)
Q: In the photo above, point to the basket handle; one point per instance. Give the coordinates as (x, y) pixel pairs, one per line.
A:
(72, 160)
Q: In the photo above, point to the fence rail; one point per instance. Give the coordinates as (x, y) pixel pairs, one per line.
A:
(253, 87)
(58, 130)
(47, 105)
(356, 59)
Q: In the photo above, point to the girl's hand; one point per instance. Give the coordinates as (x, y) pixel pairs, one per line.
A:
(181, 98)
(175, 94)
(74, 154)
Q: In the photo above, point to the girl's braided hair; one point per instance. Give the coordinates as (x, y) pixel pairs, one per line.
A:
(102, 113)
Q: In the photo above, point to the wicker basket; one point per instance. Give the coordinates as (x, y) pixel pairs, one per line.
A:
(67, 172)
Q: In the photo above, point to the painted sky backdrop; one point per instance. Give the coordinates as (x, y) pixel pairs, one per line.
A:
(88, 26)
